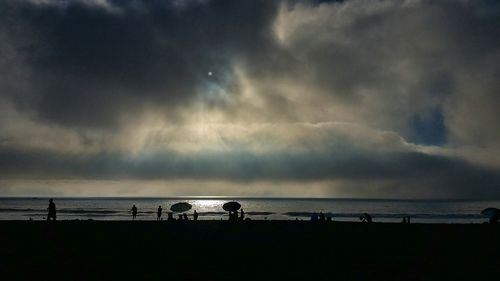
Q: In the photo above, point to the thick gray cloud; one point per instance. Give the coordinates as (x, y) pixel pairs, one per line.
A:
(399, 97)
(397, 172)
(89, 65)
(408, 65)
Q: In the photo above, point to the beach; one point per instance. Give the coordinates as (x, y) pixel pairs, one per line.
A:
(251, 250)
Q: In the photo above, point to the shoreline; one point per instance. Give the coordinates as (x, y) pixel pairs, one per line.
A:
(226, 221)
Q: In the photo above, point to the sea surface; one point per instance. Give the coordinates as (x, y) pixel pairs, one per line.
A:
(210, 208)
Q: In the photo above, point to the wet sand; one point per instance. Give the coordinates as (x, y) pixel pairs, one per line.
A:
(256, 250)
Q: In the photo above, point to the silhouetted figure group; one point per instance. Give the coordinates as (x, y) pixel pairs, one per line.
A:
(314, 217)
(321, 217)
(159, 213)
(233, 216)
(52, 210)
(406, 219)
(181, 217)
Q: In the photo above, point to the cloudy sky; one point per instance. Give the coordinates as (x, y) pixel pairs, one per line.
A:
(357, 98)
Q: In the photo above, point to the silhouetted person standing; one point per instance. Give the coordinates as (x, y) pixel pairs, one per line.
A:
(195, 215)
(52, 210)
(159, 213)
(242, 214)
(321, 216)
(134, 212)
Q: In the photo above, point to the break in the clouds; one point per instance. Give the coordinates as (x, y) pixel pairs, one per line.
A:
(321, 98)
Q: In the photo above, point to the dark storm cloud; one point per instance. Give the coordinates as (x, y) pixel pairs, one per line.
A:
(412, 172)
(90, 65)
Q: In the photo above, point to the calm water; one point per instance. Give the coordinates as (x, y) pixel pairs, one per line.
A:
(255, 208)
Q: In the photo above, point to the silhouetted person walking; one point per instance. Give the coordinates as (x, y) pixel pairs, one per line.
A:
(195, 215)
(159, 213)
(52, 210)
(134, 212)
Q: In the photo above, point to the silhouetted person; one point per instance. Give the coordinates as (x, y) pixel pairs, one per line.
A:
(195, 215)
(495, 218)
(242, 214)
(134, 212)
(321, 216)
(185, 217)
(233, 216)
(408, 219)
(158, 217)
(366, 218)
(404, 220)
(180, 217)
(52, 210)
(170, 216)
(314, 217)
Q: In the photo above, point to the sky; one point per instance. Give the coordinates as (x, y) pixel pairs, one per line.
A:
(355, 98)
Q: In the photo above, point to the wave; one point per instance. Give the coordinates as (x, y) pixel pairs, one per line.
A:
(61, 211)
(82, 211)
(2, 210)
(260, 213)
(225, 213)
(390, 215)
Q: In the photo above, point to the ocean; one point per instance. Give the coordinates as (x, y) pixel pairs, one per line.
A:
(210, 208)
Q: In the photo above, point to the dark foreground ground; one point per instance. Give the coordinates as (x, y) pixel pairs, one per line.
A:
(257, 250)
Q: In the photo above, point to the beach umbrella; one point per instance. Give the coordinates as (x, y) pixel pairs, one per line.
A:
(232, 206)
(180, 207)
(491, 212)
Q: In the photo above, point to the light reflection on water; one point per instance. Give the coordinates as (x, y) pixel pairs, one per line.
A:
(255, 208)
(206, 204)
